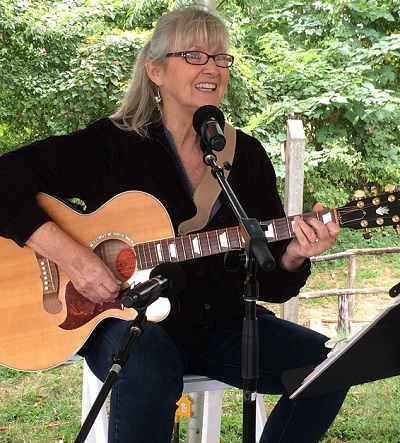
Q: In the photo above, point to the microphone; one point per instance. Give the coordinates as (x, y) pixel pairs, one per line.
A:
(209, 122)
(167, 279)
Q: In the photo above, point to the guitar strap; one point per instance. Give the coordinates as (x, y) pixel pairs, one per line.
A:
(208, 190)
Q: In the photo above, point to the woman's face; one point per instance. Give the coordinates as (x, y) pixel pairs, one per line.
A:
(185, 87)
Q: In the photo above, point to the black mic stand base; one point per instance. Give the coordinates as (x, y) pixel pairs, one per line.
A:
(250, 354)
(249, 411)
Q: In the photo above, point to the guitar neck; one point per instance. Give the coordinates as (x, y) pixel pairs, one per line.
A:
(188, 247)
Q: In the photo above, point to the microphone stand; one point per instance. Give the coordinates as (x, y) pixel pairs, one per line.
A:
(119, 360)
(256, 254)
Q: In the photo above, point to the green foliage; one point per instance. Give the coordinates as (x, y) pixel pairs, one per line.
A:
(333, 64)
(350, 239)
(95, 80)
(40, 41)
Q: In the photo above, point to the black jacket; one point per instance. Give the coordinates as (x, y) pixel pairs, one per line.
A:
(101, 161)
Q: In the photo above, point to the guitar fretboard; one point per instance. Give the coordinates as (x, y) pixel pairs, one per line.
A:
(189, 247)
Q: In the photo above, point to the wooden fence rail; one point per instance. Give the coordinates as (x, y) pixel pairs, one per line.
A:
(346, 296)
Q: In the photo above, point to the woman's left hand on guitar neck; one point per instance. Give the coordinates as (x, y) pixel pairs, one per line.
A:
(312, 238)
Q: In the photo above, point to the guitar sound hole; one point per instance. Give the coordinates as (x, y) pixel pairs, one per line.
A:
(119, 257)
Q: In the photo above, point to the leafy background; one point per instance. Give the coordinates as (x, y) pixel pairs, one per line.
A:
(334, 64)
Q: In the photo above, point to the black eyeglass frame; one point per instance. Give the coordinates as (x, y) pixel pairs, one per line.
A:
(213, 56)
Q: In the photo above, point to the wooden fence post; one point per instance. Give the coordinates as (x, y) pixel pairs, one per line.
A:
(294, 185)
(346, 301)
(343, 318)
(351, 282)
(346, 296)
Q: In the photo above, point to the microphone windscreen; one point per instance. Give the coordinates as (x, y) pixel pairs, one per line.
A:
(174, 273)
(206, 112)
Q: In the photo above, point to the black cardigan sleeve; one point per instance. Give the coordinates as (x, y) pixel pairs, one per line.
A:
(73, 165)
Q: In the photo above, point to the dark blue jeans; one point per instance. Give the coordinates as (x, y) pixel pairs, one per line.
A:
(143, 399)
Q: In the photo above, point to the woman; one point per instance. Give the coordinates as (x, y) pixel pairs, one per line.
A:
(150, 145)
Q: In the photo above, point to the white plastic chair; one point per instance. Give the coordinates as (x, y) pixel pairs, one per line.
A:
(204, 425)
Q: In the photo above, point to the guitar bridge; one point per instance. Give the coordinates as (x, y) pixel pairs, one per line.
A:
(51, 284)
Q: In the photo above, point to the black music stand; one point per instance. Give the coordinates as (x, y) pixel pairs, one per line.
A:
(373, 353)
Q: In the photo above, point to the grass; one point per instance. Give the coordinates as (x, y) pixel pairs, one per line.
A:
(370, 414)
(40, 407)
(45, 407)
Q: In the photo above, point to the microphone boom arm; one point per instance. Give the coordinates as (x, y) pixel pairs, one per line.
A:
(249, 228)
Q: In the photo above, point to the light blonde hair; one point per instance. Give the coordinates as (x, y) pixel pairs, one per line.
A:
(176, 30)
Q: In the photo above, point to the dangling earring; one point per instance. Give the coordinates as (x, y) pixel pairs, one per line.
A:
(158, 99)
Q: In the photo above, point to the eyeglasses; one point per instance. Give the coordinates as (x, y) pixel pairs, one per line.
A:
(201, 58)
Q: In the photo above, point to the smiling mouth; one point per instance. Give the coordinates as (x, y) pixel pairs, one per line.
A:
(206, 86)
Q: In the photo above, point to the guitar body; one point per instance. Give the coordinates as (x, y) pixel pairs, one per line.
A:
(35, 332)
(45, 320)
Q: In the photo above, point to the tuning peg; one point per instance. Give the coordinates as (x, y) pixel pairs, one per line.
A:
(359, 194)
(390, 188)
(383, 231)
(397, 229)
(374, 191)
(367, 234)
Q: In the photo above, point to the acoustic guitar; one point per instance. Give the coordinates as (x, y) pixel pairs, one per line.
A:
(45, 321)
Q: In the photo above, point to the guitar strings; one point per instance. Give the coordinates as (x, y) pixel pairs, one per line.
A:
(151, 253)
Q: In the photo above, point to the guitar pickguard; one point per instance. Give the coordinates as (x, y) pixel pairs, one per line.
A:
(80, 310)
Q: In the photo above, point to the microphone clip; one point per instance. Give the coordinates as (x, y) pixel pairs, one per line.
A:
(166, 280)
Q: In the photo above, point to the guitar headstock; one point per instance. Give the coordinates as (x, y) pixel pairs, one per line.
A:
(377, 211)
